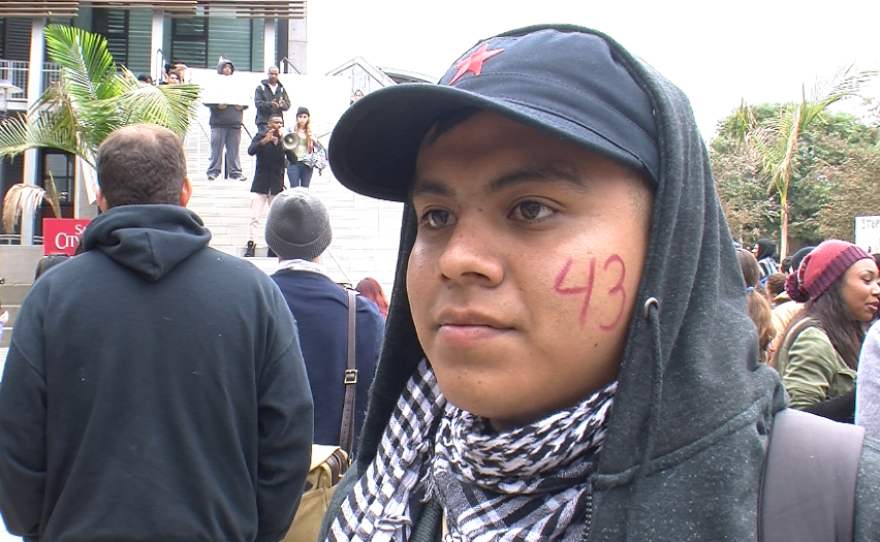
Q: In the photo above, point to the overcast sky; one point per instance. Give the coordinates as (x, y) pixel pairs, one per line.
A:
(717, 51)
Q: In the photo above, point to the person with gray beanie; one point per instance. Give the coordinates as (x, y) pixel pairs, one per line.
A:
(298, 231)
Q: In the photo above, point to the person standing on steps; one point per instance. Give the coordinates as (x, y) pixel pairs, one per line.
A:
(308, 152)
(225, 131)
(270, 98)
(269, 177)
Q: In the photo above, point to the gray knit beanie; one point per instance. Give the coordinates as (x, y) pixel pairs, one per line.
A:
(298, 227)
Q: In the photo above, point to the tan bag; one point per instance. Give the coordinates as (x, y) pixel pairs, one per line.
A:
(328, 465)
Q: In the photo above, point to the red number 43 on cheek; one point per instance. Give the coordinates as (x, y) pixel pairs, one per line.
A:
(616, 291)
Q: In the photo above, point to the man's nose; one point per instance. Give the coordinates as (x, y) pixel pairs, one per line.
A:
(471, 254)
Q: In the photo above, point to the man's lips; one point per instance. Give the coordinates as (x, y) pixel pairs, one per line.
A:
(468, 328)
(469, 318)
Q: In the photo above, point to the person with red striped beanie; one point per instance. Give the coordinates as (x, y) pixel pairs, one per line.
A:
(817, 360)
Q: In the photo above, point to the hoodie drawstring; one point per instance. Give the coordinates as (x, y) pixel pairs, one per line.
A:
(652, 314)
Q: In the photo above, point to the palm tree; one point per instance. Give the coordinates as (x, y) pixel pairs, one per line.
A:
(775, 143)
(92, 98)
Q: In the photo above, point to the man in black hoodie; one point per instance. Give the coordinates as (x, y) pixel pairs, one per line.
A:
(154, 389)
(270, 98)
(568, 354)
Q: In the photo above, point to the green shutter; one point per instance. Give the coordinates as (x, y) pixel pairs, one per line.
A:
(257, 45)
(140, 39)
(230, 38)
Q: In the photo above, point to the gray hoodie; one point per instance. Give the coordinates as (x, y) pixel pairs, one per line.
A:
(684, 453)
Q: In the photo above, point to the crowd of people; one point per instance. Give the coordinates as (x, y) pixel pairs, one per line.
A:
(812, 321)
(574, 348)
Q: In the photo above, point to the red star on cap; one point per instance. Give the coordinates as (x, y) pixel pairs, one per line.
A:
(474, 62)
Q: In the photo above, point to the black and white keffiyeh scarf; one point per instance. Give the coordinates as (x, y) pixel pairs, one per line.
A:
(530, 483)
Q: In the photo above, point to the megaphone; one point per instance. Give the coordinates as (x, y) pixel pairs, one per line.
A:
(289, 141)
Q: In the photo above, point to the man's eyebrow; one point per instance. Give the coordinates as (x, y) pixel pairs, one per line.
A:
(546, 171)
(425, 188)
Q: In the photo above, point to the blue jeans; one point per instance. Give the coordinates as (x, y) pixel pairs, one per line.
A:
(299, 174)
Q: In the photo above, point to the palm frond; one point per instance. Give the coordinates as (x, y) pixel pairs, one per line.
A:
(18, 198)
(172, 106)
(88, 71)
(52, 193)
(18, 135)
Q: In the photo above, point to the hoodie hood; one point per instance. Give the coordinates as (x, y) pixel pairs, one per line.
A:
(148, 239)
(766, 249)
(689, 377)
(224, 62)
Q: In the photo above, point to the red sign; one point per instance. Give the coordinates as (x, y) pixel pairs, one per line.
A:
(62, 235)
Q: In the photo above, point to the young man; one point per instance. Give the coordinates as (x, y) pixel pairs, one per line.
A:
(298, 231)
(268, 177)
(270, 98)
(564, 355)
(154, 387)
(225, 132)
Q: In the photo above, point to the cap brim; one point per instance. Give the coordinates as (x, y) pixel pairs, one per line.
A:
(375, 144)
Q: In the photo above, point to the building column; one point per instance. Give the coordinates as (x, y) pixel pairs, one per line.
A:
(157, 67)
(269, 44)
(34, 90)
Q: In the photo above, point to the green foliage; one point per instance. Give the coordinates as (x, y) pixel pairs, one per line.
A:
(835, 176)
(91, 100)
(772, 143)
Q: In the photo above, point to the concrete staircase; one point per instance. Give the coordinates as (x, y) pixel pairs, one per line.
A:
(365, 231)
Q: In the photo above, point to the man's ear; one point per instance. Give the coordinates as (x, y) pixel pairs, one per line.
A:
(186, 191)
(101, 200)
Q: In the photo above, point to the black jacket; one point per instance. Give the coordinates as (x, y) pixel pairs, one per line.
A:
(154, 391)
(269, 174)
(263, 97)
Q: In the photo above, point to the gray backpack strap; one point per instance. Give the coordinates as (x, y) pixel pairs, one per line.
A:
(809, 484)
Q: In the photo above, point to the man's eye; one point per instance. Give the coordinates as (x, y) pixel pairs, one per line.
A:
(436, 218)
(531, 211)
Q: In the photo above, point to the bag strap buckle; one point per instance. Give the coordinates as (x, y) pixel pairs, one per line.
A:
(351, 377)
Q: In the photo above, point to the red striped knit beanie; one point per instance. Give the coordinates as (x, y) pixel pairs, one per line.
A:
(821, 268)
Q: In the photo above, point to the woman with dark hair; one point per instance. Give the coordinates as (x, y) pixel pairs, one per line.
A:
(819, 352)
(370, 288)
(759, 306)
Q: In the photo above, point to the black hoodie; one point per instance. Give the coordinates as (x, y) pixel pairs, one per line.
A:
(154, 390)
(687, 435)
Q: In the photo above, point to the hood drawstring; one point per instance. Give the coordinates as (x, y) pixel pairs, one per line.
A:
(652, 315)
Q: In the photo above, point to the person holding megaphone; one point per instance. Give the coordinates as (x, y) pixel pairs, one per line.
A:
(270, 152)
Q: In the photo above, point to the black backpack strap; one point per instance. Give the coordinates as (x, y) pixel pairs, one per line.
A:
(349, 380)
(809, 483)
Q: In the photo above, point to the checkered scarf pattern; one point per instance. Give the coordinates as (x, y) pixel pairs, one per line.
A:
(530, 483)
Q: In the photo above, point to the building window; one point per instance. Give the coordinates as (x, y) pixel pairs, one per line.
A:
(199, 42)
(189, 41)
(113, 25)
(61, 167)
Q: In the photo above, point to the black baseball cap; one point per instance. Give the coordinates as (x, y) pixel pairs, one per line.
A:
(563, 80)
